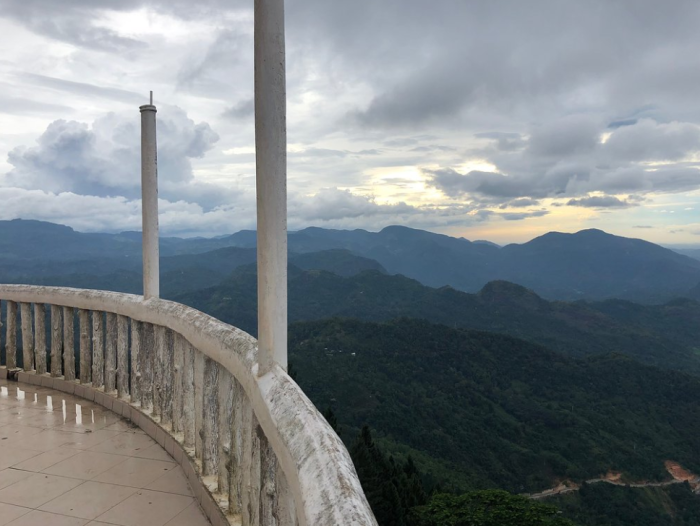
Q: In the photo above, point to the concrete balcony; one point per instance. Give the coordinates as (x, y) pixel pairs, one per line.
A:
(65, 461)
(157, 376)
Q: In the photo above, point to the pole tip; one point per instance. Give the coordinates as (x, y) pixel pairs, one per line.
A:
(151, 98)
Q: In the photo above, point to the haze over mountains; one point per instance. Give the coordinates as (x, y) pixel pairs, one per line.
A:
(589, 264)
(363, 275)
(510, 367)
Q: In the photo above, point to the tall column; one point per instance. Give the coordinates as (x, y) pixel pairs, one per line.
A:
(149, 201)
(271, 183)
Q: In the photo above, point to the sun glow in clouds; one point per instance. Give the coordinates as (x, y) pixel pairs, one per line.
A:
(476, 165)
(400, 183)
(147, 22)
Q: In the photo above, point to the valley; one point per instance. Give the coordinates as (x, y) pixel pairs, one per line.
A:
(487, 368)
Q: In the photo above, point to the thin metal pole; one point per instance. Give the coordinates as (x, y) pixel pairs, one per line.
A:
(271, 182)
(149, 201)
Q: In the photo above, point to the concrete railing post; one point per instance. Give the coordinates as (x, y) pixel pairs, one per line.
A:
(271, 183)
(149, 201)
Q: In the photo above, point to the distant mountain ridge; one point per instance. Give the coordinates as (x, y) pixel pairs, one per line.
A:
(690, 252)
(589, 264)
(662, 335)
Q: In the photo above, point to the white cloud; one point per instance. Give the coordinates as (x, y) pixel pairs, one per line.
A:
(567, 159)
(103, 159)
(648, 140)
(334, 204)
(530, 88)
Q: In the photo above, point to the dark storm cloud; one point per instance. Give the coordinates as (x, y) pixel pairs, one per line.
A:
(520, 203)
(619, 124)
(500, 188)
(565, 137)
(211, 72)
(243, 110)
(585, 97)
(564, 181)
(433, 148)
(327, 153)
(519, 216)
(635, 179)
(407, 141)
(567, 157)
(497, 135)
(427, 61)
(414, 102)
(332, 204)
(319, 152)
(486, 57)
(504, 141)
(648, 140)
(606, 201)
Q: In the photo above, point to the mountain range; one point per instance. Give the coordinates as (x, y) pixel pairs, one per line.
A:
(510, 367)
(665, 335)
(589, 264)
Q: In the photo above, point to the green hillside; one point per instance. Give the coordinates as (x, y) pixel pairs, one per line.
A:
(662, 335)
(604, 504)
(500, 412)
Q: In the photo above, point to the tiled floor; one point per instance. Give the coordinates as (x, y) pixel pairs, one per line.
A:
(65, 461)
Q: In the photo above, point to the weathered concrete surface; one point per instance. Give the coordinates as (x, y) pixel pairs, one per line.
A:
(111, 353)
(315, 463)
(271, 182)
(68, 343)
(149, 202)
(122, 356)
(56, 339)
(27, 337)
(40, 337)
(136, 338)
(85, 345)
(98, 349)
(11, 335)
(188, 418)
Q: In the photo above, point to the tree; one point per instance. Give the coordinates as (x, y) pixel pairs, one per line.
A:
(331, 419)
(391, 489)
(486, 508)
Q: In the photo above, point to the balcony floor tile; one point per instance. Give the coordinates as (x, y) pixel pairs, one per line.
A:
(81, 465)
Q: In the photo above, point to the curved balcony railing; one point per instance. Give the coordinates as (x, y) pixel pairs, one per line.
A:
(254, 448)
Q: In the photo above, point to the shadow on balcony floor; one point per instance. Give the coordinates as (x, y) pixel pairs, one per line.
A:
(65, 461)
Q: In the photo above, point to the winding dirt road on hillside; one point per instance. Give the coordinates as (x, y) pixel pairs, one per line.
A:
(677, 472)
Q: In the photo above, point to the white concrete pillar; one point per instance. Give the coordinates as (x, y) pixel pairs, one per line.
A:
(149, 201)
(271, 182)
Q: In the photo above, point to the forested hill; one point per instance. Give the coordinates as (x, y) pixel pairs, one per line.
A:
(662, 335)
(487, 410)
(590, 264)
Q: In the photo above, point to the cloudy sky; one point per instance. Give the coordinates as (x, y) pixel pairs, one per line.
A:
(499, 120)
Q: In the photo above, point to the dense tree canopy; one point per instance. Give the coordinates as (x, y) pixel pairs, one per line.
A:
(479, 410)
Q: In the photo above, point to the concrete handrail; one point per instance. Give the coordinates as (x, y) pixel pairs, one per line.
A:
(320, 478)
